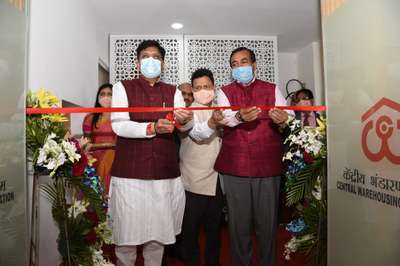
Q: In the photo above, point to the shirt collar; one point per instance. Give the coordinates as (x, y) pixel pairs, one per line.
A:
(143, 80)
(246, 85)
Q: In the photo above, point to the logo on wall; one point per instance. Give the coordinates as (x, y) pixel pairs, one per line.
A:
(381, 130)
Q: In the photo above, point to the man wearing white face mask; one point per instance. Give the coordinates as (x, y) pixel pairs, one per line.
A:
(203, 191)
(146, 196)
(250, 158)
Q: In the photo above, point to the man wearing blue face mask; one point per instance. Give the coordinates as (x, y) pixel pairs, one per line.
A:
(147, 198)
(250, 158)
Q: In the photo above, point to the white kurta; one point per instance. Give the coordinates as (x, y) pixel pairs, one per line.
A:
(143, 210)
(197, 158)
(146, 210)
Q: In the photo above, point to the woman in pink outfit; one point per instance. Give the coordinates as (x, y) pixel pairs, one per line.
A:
(97, 127)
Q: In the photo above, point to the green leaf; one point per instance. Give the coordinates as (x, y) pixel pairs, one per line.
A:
(301, 185)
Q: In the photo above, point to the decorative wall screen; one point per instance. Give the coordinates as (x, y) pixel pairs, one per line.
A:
(213, 52)
(123, 56)
(187, 53)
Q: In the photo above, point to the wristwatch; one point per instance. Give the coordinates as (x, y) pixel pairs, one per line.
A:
(239, 117)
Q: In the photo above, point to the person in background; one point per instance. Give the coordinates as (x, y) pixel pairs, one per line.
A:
(305, 97)
(147, 197)
(187, 94)
(97, 128)
(204, 198)
(175, 250)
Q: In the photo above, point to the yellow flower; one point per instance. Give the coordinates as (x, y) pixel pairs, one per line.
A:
(56, 118)
(91, 161)
(46, 99)
(321, 124)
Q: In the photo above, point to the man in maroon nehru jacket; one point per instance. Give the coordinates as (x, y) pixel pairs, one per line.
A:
(147, 198)
(250, 158)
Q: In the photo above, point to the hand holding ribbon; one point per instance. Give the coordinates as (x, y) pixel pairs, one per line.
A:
(248, 114)
(278, 116)
(183, 116)
(216, 119)
(163, 126)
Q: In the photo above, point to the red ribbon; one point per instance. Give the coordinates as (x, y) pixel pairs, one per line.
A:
(67, 110)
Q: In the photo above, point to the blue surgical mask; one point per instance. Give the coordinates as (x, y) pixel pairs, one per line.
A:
(150, 67)
(243, 74)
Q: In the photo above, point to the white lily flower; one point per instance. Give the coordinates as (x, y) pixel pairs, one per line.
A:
(288, 156)
(70, 150)
(98, 259)
(77, 207)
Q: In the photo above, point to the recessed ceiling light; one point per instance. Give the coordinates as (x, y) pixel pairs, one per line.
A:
(177, 26)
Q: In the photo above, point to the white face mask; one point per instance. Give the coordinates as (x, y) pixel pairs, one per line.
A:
(150, 67)
(105, 101)
(204, 97)
(305, 103)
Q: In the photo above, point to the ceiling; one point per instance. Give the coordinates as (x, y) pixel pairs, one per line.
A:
(295, 22)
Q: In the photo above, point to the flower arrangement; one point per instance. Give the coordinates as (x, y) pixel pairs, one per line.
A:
(53, 154)
(39, 127)
(305, 187)
(76, 194)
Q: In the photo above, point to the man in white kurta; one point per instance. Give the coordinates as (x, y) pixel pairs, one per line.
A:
(145, 208)
(204, 199)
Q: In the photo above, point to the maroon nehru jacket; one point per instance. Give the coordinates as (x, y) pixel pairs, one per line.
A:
(251, 149)
(147, 158)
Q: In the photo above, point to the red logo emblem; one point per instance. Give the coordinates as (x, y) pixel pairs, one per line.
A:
(384, 126)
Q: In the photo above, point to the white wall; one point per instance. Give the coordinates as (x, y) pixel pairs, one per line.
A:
(63, 51)
(309, 61)
(287, 69)
(63, 58)
(304, 65)
(103, 44)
